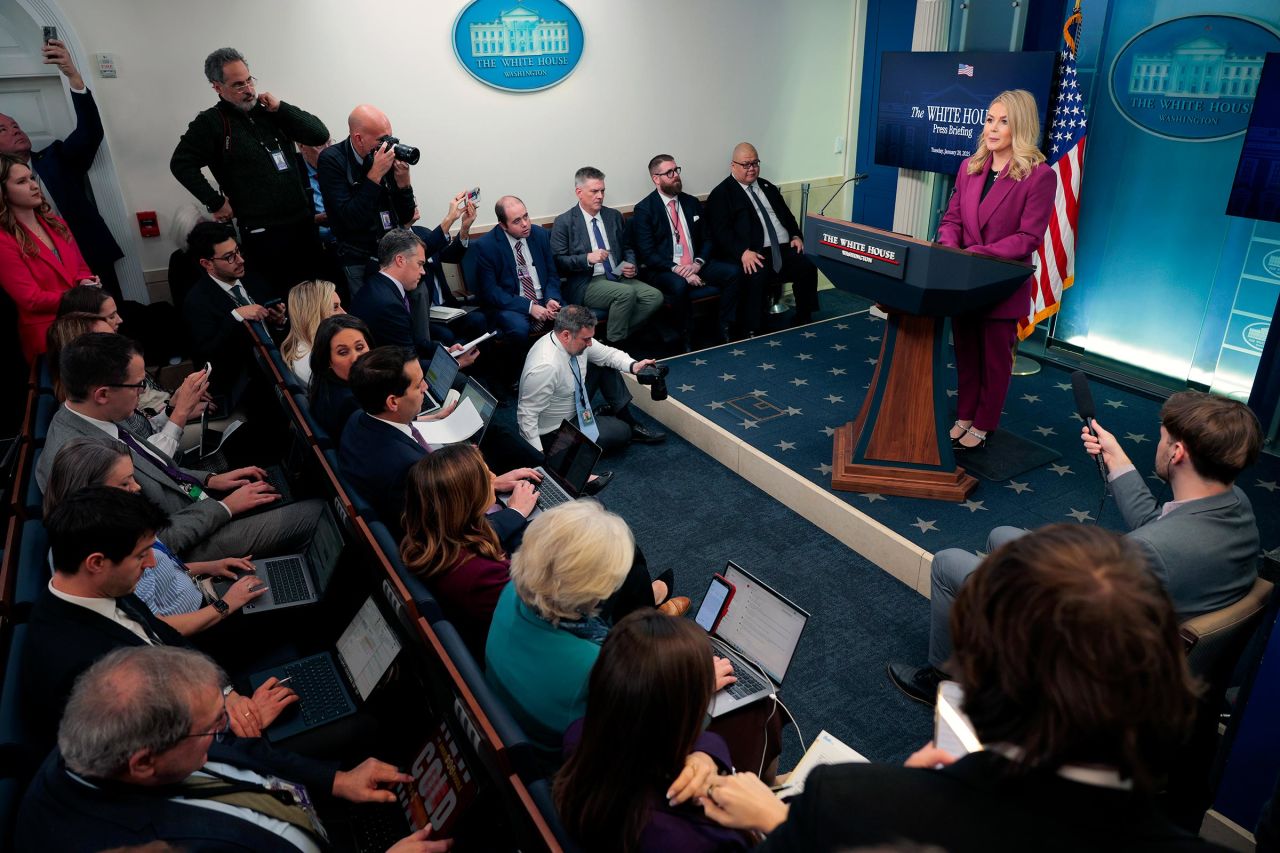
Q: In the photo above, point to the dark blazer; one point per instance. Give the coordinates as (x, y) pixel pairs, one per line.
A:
(651, 231)
(217, 337)
(189, 522)
(59, 813)
(376, 458)
(1009, 223)
(497, 285)
(570, 244)
(734, 220)
(64, 640)
(1205, 551)
(451, 253)
(378, 303)
(331, 405)
(355, 204)
(62, 166)
(972, 805)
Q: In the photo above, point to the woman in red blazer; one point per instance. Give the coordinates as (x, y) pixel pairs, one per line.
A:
(39, 259)
(1001, 206)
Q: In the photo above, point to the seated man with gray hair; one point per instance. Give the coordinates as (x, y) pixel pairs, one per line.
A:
(562, 373)
(144, 755)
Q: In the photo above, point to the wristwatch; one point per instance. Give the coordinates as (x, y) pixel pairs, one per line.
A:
(221, 606)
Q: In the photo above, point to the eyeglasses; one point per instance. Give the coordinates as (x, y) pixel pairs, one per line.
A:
(241, 86)
(750, 164)
(670, 173)
(136, 386)
(228, 257)
(220, 726)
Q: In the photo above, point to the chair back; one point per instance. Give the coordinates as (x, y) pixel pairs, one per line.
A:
(1215, 640)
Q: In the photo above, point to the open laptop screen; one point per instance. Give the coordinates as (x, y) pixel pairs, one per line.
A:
(761, 624)
(572, 456)
(441, 374)
(367, 648)
(325, 550)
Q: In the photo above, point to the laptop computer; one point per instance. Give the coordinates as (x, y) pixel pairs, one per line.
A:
(441, 374)
(758, 634)
(569, 461)
(327, 688)
(486, 405)
(296, 579)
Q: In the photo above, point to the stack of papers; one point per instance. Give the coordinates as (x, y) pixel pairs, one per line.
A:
(825, 749)
(443, 313)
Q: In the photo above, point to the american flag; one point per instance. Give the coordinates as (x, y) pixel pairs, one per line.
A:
(964, 70)
(1056, 258)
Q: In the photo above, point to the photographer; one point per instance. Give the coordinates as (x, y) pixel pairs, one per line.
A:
(562, 373)
(366, 187)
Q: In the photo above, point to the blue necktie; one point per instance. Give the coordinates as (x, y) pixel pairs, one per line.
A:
(586, 420)
(608, 267)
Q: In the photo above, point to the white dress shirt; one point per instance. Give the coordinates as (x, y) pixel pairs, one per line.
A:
(684, 227)
(281, 828)
(407, 429)
(301, 365)
(547, 384)
(784, 236)
(598, 269)
(529, 265)
(107, 609)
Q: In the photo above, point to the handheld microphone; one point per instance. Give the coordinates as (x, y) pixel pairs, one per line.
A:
(855, 179)
(1086, 411)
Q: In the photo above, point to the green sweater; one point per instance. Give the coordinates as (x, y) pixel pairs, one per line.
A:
(237, 146)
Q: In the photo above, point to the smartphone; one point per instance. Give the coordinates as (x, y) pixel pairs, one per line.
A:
(952, 730)
(50, 34)
(272, 303)
(716, 603)
(208, 371)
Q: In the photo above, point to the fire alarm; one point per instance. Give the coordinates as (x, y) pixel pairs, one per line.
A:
(148, 224)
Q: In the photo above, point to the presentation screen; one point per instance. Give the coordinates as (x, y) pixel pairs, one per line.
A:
(932, 105)
(1255, 193)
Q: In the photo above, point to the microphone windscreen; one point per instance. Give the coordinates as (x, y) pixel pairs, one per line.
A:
(1084, 397)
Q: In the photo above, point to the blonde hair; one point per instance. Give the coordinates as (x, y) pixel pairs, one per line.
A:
(1024, 124)
(309, 303)
(573, 557)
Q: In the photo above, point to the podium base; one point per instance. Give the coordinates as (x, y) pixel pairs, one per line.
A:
(849, 476)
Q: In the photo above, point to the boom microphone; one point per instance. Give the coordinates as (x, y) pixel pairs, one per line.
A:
(855, 179)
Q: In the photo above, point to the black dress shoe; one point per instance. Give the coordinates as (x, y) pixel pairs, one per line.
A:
(644, 435)
(920, 684)
(596, 486)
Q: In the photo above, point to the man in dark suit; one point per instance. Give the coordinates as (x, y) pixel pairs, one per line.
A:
(516, 274)
(62, 168)
(103, 374)
(1075, 680)
(179, 778)
(1202, 546)
(589, 242)
(668, 234)
(436, 287)
(218, 306)
(752, 228)
(101, 541)
(380, 443)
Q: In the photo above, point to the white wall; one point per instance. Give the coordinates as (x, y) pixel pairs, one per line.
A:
(684, 76)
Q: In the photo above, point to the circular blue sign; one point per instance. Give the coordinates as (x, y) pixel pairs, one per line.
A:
(518, 46)
(1192, 78)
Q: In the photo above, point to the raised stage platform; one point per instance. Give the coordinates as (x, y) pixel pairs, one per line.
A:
(766, 408)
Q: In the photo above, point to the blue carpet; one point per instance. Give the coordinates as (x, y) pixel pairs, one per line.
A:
(785, 393)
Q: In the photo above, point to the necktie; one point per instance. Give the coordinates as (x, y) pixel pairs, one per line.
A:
(769, 229)
(422, 442)
(526, 287)
(608, 267)
(242, 298)
(586, 420)
(404, 300)
(193, 487)
(278, 804)
(686, 256)
(129, 606)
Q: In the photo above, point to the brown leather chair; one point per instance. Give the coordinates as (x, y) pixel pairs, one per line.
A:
(1215, 640)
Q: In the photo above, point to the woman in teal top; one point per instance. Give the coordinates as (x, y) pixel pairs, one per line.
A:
(546, 632)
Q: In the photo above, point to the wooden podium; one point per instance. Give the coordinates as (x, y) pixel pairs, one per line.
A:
(898, 444)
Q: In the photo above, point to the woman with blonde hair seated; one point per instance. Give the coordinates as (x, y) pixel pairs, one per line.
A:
(310, 302)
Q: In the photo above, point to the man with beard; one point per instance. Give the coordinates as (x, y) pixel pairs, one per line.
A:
(674, 254)
(247, 140)
(1202, 545)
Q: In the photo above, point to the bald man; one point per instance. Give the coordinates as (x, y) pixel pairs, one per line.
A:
(367, 192)
(751, 226)
(248, 141)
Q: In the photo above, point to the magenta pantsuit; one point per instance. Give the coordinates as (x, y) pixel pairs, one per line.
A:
(1009, 223)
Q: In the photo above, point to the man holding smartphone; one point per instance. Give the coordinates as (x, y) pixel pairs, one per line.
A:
(248, 141)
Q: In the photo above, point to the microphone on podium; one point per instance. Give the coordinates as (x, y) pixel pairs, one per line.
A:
(862, 176)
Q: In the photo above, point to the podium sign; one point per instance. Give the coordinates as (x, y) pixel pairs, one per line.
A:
(898, 443)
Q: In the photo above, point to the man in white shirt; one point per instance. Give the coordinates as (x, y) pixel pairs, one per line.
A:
(593, 254)
(561, 376)
(141, 757)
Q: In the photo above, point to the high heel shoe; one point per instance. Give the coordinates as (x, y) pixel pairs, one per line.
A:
(955, 438)
(956, 446)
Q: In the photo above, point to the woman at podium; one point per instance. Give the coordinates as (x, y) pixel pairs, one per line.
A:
(1001, 206)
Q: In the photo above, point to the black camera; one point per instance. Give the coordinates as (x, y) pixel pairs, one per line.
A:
(405, 153)
(656, 378)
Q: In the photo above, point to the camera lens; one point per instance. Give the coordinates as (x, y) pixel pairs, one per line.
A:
(408, 154)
